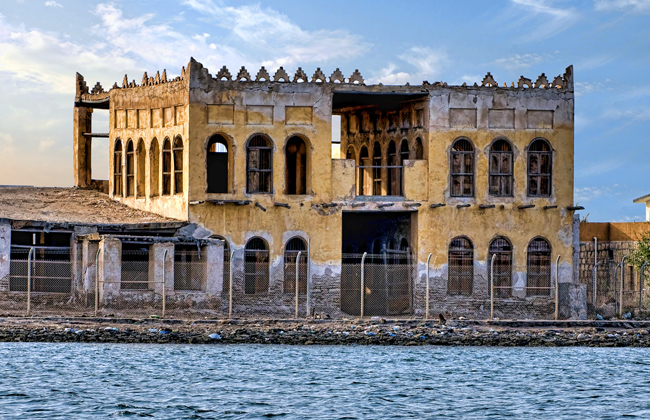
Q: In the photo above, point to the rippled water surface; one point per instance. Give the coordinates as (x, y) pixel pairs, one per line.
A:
(64, 381)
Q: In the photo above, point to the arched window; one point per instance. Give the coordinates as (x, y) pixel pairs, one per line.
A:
(350, 154)
(259, 165)
(130, 169)
(394, 171)
(461, 267)
(462, 169)
(291, 250)
(167, 167)
(178, 165)
(296, 166)
(217, 164)
(364, 181)
(376, 170)
(403, 151)
(117, 168)
(154, 168)
(540, 168)
(141, 157)
(538, 268)
(502, 248)
(501, 169)
(419, 149)
(256, 266)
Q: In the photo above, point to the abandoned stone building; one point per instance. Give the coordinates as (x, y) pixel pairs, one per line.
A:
(432, 181)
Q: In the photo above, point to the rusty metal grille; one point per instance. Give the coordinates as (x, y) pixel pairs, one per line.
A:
(538, 266)
(460, 278)
(502, 248)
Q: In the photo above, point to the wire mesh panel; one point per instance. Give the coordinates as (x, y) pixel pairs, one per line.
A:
(387, 284)
(135, 270)
(293, 247)
(461, 267)
(538, 268)
(501, 249)
(189, 270)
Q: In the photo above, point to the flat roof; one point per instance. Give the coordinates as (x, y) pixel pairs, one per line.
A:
(642, 199)
(70, 205)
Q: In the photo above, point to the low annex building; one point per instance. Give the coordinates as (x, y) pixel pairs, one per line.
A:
(432, 181)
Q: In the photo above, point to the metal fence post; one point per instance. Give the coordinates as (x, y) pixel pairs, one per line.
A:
(232, 255)
(492, 286)
(594, 286)
(557, 287)
(307, 304)
(163, 283)
(97, 281)
(363, 284)
(426, 312)
(297, 282)
(641, 279)
(622, 276)
(29, 281)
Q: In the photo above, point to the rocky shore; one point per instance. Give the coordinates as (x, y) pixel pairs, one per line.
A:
(314, 332)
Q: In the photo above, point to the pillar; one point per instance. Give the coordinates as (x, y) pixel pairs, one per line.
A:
(110, 267)
(213, 255)
(160, 262)
(5, 253)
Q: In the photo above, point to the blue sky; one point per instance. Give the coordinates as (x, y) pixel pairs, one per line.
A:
(43, 44)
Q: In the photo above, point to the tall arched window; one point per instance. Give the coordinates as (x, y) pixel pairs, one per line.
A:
(364, 181)
(461, 267)
(154, 168)
(394, 171)
(501, 169)
(259, 165)
(538, 268)
(178, 165)
(462, 169)
(141, 157)
(403, 151)
(291, 250)
(376, 170)
(130, 169)
(502, 248)
(167, 167)
(296, 166)
(217, 164)
(256, 266)
(117, 168)
(419, 149)
(350, 154)
(540, 168)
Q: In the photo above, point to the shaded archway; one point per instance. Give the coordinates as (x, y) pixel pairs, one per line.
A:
(296, 166)
(217, 161)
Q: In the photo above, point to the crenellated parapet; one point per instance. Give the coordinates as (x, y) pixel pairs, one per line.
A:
(561, 81)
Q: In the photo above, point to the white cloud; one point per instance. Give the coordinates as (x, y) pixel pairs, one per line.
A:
(638, 6)
(582, 195)
(599, 168)
(425, 64)
(520, 61)
(548, 20)
(51, 3)
(640, 114)
(584, 88)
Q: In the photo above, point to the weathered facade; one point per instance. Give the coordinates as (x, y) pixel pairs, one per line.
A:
(449, 175)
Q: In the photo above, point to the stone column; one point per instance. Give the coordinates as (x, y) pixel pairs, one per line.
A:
(81, 146)
(213, 260)
(159, 262)
(88, 254)
(110, 267)
(5, 253)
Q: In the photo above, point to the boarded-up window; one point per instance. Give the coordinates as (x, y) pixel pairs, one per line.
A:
(501, 169)
(167, 168)
(461, 267)
(178, 165)
(296, 166)
(538, 268)
(217, 164)
(256, 270)
(117, 168)
(540, 168)
(291, 250)
(259, 165)
(462, 169)
(502, 248)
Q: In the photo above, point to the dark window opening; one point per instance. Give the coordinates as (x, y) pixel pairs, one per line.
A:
(461, 267)
(189, 272)
(291, 250)
(502, 248)
(154, 169)
(539, 268)
(296, 166)
(178, 165)
(350, 154)
(376, 169)
(364, 173)
(141, 158)
(540, 168)
(462, 169)
(394, 171)
(130, 169)
(501, 162)
(117, 169)
(259, 165)
(256, 270)
(217, 164)
(167, 168)
(419, 149)
(135, 266)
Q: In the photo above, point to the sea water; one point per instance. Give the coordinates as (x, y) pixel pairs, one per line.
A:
(91, 381)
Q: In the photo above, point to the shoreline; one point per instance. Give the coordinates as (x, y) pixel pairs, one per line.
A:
(497, 333)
